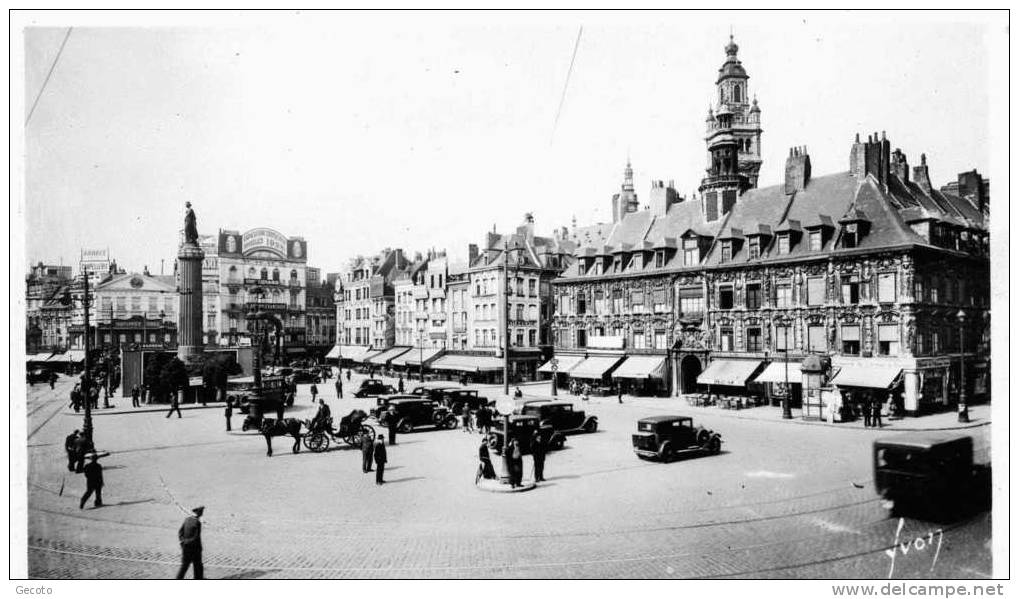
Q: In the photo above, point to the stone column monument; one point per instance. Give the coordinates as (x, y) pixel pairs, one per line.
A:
(189, 286)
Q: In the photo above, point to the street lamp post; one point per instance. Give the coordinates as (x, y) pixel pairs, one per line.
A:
(963, 409)
(787, 413)
(505, 328)
(86, 377)
(421, 354)
(555, 373)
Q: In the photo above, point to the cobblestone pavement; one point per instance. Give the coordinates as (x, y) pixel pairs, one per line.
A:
(780, 501)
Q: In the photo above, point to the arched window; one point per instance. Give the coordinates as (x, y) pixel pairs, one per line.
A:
(265, 273)
(233, 273)
(275, 274)
(251, 272)
(293, 274)
(721, 94)
(735, 93)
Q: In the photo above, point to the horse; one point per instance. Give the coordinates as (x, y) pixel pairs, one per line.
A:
(280, 428)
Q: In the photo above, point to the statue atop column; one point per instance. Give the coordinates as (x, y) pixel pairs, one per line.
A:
(190, 225)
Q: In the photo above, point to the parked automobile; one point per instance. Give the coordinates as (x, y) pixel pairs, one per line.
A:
(455, 398)
(521, 428)
(382, 403)
(37, 376)
(561, 416)
(411, 413)
(373, 388)
(430, 392)
(304, 375)
(668, 437)
(930, 475)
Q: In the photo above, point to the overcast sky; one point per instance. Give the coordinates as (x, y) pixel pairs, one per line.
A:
(360, 132)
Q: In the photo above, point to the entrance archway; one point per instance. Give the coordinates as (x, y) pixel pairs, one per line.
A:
(689, 368)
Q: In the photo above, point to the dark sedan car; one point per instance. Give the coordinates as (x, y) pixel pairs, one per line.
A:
(561, 416)
(373, 388)
(411, 413)
(668, 437)
(456, 398)
(522, 429)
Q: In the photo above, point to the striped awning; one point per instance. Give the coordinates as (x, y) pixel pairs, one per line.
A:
(595, 367)
(566, 364)
(468, 363)
(333, 353)
(641, 367)
(776, 373)
(362, 356)
(381, 358)
(37, 357)
(732, 373)
(871, 376)
(417, 355)
(76, 355)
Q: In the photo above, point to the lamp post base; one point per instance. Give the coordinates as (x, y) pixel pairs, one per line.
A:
(963, 414)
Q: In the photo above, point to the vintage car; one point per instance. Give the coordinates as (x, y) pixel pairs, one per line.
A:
(36, 375)
(668, 437)
(455, 398)
(412, 412)
(930, 475)
(306, 375)
(430, 392)
(382, 403)
(373, 388)
(561, 416)
(521, 428)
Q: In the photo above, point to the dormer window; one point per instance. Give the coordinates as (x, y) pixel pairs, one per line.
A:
(754, 248)
(617, 263)
(659, 258)
(637, 261)
(815, 241)
(850, 236)
(691, 252)
(783, 244)
(726, 251)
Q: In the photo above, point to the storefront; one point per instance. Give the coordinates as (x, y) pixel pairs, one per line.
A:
(642, 375)
(594, 372)
(860, 385)
(731, 378)
(411, 362)
(782, 378)
(381, 360)
(475, 369)
(560, 367)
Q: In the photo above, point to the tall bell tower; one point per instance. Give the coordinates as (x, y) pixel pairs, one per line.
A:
(733, 138)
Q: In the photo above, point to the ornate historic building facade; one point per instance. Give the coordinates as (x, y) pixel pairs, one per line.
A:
(879, 278)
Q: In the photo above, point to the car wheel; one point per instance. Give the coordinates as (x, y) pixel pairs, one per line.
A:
(405, 427)
(715, 445)
(665, 453)
(450, 422)
(591, 426)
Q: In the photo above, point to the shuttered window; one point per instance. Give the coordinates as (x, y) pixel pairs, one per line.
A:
(816, 340)
(886, 287)
(815, 291)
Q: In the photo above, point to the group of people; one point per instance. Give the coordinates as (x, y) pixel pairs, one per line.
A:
(582, 389)
(78, 446)
(513, 453)
(78, 397)
(375, 451)
(480, 421)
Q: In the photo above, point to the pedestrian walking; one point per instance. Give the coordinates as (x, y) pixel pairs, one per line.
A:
(538, 450)
(517, 393)
(81, 448)
(339, 388)
(94, 397)
(53, 379)
(76, 398)
(867, 412)
(228, 412)
(93, 482)
(174, 405)
(484, 419)
(367, 447)
(399, 384)
(465, 416)
(348, 375)
(314, 392)
(391, 425)
(875, 418)
(190, 537)
(135, 397)
(620, 396)
(516, 464)
(485, 468)
(379, 453)
(70, 446)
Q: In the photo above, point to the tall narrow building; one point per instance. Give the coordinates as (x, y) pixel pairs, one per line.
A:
(733, 139)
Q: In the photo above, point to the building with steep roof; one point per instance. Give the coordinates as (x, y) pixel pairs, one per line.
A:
(872, 272)
(366, 301)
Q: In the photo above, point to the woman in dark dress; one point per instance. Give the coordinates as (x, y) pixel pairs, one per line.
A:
(485, 469)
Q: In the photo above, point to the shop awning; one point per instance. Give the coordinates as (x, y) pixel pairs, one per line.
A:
(57, 358)
(333, 353)
(732, 373)
(641, 367)
(362, 356)
(467, 363)
(37, 357)
(872, 376)
(389, 354)
(566, 363)
(776, 373)
(416, 356)
(76, 355)
(594, 368)
(349, 351)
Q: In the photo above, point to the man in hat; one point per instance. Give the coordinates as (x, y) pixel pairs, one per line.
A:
(135, 394)
(70, 446)
(380, 459)
(367, 446)
(93, 482)
(228, 411)
(339, 387)
(322, 416)
(81, 447)
(538, 449)
(314, 392)
(174, 404)
(391, 424)
(190, 536)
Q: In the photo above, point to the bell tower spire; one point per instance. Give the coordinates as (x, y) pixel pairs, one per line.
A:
(733, 137)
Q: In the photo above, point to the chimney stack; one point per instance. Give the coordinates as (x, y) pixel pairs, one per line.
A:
(973, 188)
(472, 254)
(900, 166)
(797, 170)
(921, 176)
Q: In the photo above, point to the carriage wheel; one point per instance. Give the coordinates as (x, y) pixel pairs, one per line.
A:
(317, 442)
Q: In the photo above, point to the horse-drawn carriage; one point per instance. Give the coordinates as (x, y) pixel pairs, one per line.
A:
(254, 402)
(352, 430)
